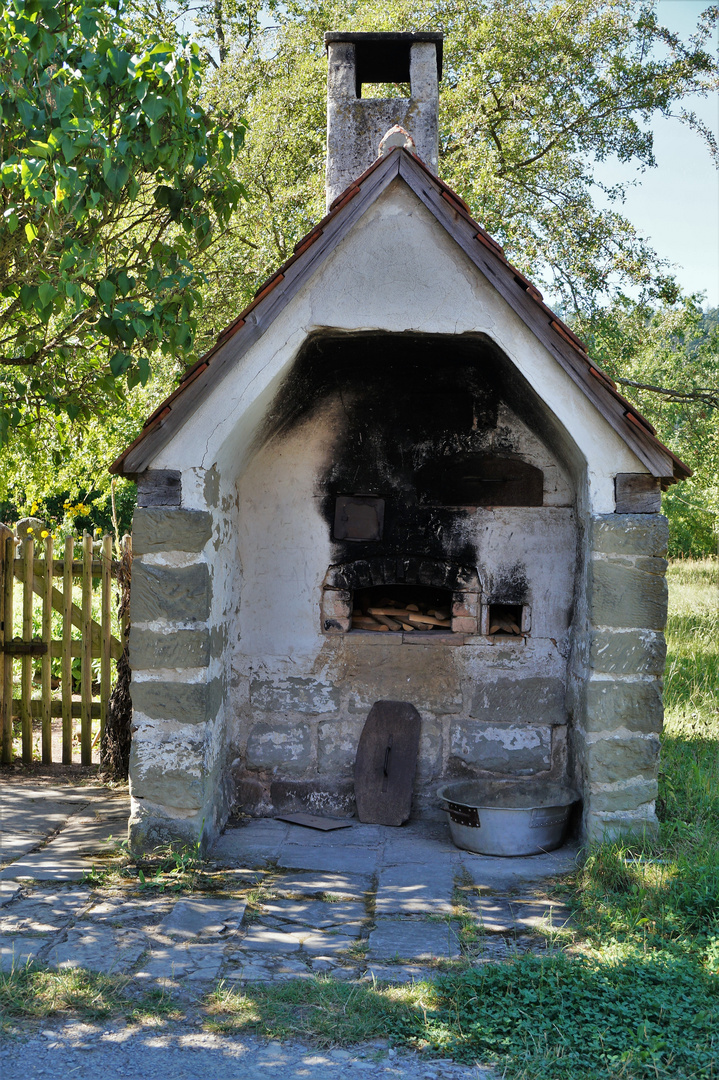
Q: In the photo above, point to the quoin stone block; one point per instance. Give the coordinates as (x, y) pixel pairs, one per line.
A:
(632, 652)
(161, 529)
(635, 596)
(187, 703)
(176, 649)
(634, 706)
(622, 759)
(172, 594)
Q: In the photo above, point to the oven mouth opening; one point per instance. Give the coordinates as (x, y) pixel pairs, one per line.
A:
(402, 608)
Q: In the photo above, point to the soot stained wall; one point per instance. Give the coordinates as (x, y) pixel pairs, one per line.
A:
(385, 415)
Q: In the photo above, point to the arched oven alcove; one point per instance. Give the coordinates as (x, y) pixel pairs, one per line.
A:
(407, 493)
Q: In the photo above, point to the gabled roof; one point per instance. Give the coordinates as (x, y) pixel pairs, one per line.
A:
(486, 254)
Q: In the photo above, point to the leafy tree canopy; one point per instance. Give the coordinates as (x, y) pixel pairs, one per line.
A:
(112, 177)
(534, 94)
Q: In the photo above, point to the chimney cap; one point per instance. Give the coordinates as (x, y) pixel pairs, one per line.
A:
(384, 57)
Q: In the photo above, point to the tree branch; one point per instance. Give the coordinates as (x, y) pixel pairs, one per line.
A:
(705, 395)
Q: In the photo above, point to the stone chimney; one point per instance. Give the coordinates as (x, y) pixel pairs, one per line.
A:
(356, 125)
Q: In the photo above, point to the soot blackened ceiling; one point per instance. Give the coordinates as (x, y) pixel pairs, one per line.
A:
(417, 418)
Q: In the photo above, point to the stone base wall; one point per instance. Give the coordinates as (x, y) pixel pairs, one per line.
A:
(297, 737)
(619, 670)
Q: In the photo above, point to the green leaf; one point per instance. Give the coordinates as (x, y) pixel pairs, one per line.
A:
(117, 60)
(30, 231)
(106, 291)
(154, 107)
(47, 293)
(63, 98)
(28, 295)
(144, 369)
(116, 174)
(11, 220)
(119, 363)
(27, 112)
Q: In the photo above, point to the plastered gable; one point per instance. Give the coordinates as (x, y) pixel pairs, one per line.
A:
(396, 270)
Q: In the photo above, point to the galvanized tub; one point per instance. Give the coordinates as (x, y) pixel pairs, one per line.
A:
(497, 817)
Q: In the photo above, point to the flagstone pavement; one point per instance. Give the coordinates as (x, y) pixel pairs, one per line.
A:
(365, 903)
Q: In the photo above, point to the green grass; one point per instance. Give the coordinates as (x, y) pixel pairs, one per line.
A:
(663, 895)
(34, 993)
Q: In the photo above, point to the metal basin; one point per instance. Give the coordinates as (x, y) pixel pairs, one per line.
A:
(498, 817)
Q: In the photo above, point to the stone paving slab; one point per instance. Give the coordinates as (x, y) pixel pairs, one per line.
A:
(357, 835)
(125, 1052)
(254, 844)
(193, 959)
(347, 860)
(412, 848)
(257, 970)
(267, 939)
(91, 830)
(98, 948)
(48, 864)
(15, 844)
(507, 916)
(327, 943)
(8, 891)
(404, 939)
(498, 875)
(126, 909)
(315, 913)
(43, 913)
(417, 887)
(38, 808)
(204, 915)
(17, 952)
(346, 886)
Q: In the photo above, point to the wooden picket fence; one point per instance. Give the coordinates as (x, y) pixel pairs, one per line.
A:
(94, 571)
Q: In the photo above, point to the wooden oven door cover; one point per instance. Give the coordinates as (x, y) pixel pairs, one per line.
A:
(386, 763)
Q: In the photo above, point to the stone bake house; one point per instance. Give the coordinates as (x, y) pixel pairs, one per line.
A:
(396, 421)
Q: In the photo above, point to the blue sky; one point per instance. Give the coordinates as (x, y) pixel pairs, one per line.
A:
(676, 204)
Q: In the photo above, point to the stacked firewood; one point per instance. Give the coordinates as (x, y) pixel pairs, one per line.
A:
(504, 624)
(391, 615)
